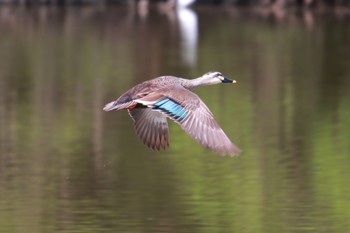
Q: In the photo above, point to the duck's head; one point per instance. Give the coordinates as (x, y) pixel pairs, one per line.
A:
(215, 77)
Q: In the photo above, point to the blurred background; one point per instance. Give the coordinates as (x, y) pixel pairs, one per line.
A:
(67, 166)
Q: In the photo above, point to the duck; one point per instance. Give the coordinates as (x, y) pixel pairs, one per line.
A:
(151, 102)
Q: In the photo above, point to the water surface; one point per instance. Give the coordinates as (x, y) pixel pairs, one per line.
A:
(67, 166)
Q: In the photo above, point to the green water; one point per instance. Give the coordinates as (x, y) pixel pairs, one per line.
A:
(67, 166)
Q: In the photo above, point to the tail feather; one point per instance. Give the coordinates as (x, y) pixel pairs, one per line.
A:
(115, 106)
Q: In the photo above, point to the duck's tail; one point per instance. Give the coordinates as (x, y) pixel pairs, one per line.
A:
(115, 105)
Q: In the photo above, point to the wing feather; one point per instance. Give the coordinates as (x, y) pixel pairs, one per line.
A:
(151, 126)
(199, 122)
(180, 105)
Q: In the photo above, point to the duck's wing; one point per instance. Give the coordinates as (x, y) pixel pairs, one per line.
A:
(190, 112)
(127, 100)
(151, 126)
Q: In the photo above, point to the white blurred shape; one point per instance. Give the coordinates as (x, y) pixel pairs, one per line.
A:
(188, 24)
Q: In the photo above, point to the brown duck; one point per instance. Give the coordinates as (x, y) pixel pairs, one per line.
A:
(151, 102)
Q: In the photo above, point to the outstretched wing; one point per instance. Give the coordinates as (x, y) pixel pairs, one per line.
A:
(190, 112)
(151, 126)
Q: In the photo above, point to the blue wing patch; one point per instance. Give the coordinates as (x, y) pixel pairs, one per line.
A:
(172, 108)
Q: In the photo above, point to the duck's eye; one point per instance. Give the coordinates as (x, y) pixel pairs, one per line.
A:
(218, 75)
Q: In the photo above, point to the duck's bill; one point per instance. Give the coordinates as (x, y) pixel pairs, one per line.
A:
(227, 80)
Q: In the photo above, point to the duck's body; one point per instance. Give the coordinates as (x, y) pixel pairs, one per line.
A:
(150, 102)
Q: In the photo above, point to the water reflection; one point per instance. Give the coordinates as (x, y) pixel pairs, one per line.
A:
(188, 24)
(65, 166)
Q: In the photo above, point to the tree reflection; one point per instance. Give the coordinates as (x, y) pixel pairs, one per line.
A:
(66, 166)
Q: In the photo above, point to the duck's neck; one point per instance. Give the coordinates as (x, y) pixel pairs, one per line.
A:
(201, 81)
